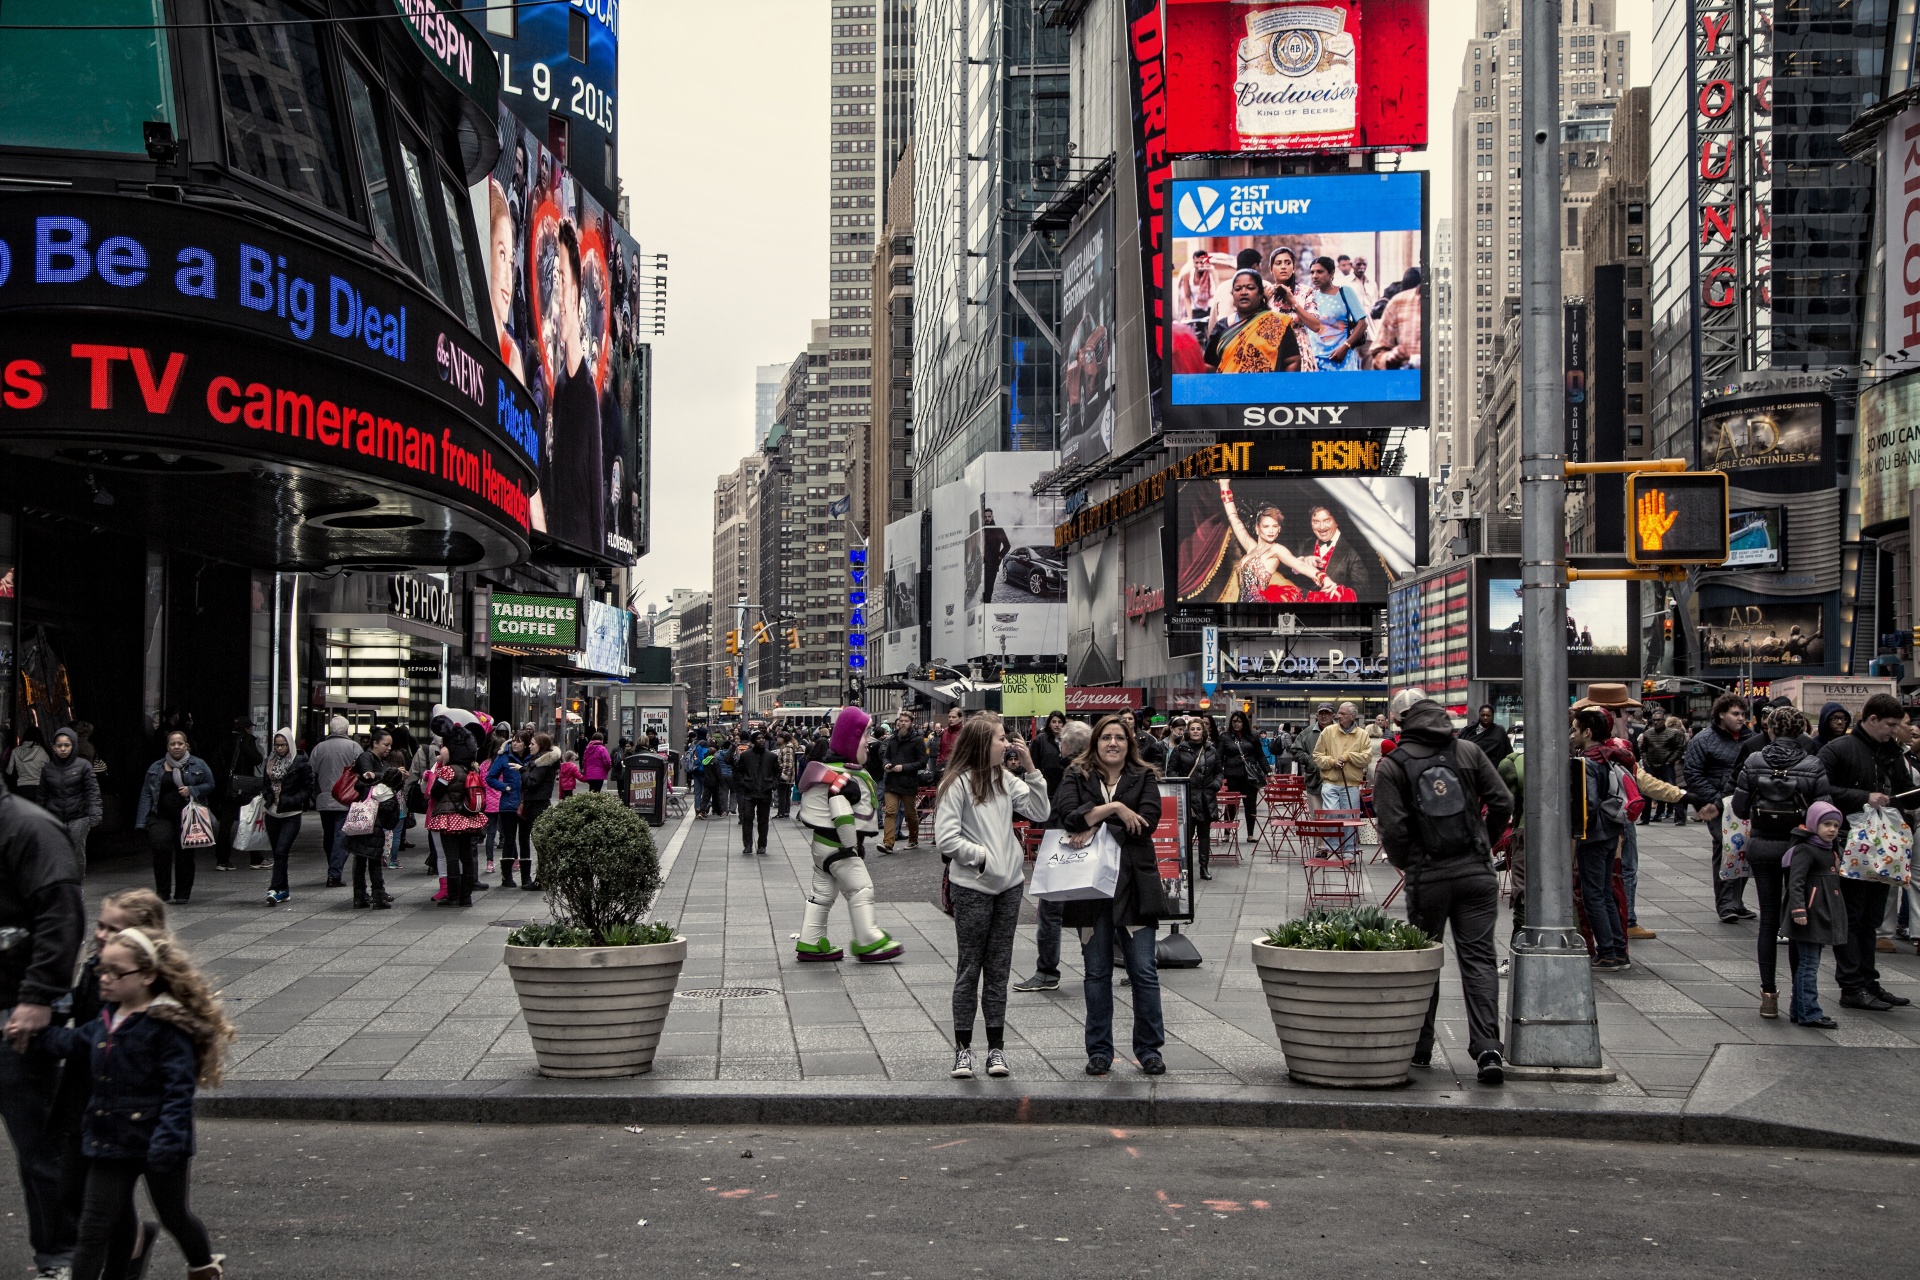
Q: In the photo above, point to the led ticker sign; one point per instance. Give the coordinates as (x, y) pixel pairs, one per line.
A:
(857, 599)
(1677, 517)
(149, 257)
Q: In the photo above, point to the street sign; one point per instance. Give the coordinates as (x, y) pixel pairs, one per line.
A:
(1676, 517)
(1210, 659)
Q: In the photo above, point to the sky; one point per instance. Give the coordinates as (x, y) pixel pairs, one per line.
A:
(723, 152)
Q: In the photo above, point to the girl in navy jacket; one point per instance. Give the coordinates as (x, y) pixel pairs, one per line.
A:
(160, 1033)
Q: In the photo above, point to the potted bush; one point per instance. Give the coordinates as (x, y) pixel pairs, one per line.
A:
(1348, 991)
(596, 984)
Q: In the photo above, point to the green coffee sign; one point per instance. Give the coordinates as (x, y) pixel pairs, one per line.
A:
(539, 622)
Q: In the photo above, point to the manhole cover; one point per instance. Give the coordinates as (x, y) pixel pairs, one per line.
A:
(726, 993)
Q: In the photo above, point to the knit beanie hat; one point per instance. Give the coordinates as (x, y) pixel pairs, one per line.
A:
(1818, 812)
(849, 730)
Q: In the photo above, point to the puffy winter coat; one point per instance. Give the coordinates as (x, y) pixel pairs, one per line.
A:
(69, 788)
(1805, 772)
(143, 1085)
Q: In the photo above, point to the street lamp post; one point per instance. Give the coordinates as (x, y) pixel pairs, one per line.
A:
(1552, 1022)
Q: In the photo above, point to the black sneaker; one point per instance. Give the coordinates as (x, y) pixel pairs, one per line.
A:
(1153, 1065)
(1039, 982)
(1879, 992)
(1098, 1066)
(1492, 1069)
(1423, 1059)
(1823, 1023)
(1864, 1000)
(1745, 913)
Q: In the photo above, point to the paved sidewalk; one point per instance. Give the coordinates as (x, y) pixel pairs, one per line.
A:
(322, 992)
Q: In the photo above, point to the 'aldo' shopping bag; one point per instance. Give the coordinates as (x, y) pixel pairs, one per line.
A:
(1062, 873)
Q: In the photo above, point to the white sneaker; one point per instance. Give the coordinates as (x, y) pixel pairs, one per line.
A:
(997, 1063)
(963, 1064)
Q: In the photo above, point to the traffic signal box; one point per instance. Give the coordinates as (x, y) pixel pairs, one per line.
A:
(1676, 517)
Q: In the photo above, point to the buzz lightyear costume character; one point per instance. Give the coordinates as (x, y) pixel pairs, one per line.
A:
(837, 805)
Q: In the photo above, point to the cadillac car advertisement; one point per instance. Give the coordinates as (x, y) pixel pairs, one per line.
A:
(1296, 302)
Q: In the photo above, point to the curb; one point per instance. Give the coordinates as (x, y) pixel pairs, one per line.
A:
(1118, 1104)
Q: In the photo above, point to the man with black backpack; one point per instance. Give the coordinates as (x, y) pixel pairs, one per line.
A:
(1428, 797)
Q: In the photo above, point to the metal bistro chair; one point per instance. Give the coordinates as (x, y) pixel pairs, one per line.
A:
(1223, 832)
(1332, 880)
(1285, 800)
(1030, 835)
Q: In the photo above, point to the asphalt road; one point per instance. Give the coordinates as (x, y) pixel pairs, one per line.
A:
(338, 1200)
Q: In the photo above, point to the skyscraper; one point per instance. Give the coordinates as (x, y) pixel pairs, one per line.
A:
(1486, 185)
(766, 398)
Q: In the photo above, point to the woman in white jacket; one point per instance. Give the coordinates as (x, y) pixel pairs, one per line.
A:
(987, 781)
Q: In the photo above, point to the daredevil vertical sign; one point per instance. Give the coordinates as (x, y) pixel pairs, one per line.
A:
(1152, 168)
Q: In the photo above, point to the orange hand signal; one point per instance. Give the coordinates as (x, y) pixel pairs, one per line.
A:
(1654, 520)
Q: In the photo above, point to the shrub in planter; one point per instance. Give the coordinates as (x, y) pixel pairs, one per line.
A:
(1348, 991)
(596, 984)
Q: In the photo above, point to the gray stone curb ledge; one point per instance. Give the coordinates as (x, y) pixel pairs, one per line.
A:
(1143, 1104)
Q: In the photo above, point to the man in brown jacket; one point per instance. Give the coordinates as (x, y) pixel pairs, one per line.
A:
(1342, 753)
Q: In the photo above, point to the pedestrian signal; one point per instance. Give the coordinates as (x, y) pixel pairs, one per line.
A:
(1676, 517)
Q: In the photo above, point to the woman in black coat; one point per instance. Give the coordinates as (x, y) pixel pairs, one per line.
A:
(1046, 751)
(1785, 759)
(1110, 786)
(1198, 761)
(1244, 761)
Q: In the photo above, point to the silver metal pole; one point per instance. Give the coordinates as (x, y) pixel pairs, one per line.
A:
(1551, 1021)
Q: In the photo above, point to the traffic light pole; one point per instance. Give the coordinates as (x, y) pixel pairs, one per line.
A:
(1552, 1026)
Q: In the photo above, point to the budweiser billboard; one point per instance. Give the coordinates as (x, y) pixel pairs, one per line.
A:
(1248, 76)
(1102, 701)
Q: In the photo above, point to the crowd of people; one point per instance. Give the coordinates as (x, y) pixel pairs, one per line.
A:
(1295, 311)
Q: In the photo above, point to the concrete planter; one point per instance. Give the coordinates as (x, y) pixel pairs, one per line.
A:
(596, 1011)
(1349, 1019)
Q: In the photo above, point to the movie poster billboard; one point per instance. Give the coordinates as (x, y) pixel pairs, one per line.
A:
(1784, 634)
(1602, 626)
(564, 289)
(1258, 76)
(1087, 323)
(1297, 542)
(1296, 302)
(1765, 444)
(1016, 578)
(901, 624)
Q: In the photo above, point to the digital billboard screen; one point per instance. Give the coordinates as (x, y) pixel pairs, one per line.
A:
(1429, 635)
(1087, 321)
(1789, 439)
(564, 288)
(1295, 541)
(1324, 75)
(1602, 626)
(1757, 538)
(1294, 302)
(1791, 633)
(559, 65)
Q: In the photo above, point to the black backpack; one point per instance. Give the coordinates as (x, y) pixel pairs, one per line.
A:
(1443, 809)
(1775, 805)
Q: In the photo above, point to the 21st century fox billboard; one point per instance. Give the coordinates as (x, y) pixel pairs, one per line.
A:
(1295, 302)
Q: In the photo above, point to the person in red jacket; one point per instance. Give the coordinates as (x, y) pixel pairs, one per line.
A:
(596, 762)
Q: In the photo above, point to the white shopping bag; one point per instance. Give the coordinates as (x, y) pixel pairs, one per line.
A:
(1062, 873)
(250, 832)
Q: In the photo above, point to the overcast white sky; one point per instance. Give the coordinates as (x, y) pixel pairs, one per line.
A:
(723, 149)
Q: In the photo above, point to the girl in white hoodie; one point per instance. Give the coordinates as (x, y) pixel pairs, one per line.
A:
(987, 781)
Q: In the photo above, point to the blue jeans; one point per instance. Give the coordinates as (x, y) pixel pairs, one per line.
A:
(1332, 797)
(26, 1107)
(399, 834)
(1805, 1006)
(1595, 860)
(1630, 869)
(1047, 935)
(331, 820)
(1096, 955)
(699, 795)
(493, 833)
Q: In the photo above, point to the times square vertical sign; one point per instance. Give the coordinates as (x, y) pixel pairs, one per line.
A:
(1732, 183)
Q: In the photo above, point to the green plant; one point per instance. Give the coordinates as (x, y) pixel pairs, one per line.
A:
(599, 867)
(560, 935)
(1349, 929)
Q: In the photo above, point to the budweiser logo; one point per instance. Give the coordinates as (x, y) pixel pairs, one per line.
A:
(1296, 84)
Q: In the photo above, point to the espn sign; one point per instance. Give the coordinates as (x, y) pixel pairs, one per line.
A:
(1900, 162)
(1102, 701)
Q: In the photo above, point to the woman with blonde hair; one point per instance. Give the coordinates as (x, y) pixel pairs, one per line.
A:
(989, 779)
(161, 1032)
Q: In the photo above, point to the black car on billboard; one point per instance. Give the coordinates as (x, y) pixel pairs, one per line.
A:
(1038, 569)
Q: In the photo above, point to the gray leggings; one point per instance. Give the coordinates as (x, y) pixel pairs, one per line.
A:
(983, 923)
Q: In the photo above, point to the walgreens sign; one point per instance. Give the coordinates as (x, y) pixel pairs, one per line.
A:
(1087, 699)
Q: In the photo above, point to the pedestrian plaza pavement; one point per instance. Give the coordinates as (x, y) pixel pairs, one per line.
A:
(323, 992)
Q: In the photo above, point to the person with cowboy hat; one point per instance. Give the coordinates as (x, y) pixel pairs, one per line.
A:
(1618, 704)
